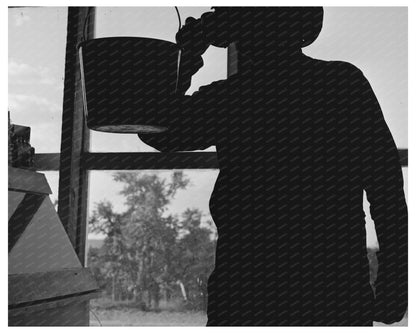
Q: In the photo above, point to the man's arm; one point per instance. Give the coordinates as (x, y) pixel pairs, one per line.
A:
(192, 121)
(383, 183)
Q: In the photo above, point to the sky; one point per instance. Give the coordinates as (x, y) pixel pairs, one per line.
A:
(372, 38)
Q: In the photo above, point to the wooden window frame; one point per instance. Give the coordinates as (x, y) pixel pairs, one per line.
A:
(75, 159)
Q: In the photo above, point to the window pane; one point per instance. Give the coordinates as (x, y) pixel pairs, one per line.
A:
(151, 246)
(375, 40)
(159, 23)
(117, 305)
(37, 39)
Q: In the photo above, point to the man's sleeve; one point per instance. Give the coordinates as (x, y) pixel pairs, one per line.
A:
(383, 183)
(192, 121)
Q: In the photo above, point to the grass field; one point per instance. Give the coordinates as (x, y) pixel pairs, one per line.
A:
(134, 317)
(105, 312)
(130, 317)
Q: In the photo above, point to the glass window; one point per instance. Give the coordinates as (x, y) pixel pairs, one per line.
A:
(375, 40)
(159, 23)
(348, 34)
(37, 40)
(151, 246)
(146, 227)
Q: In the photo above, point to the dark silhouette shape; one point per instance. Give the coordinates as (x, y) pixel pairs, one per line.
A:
(298, 141)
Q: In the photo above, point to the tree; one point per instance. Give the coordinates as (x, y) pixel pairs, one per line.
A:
(106, 221)
(138, 241)
(197, 253)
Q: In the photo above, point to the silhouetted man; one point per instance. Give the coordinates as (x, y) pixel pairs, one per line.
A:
(298, 140)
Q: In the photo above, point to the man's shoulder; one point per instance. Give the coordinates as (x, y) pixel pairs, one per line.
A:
(333, 66)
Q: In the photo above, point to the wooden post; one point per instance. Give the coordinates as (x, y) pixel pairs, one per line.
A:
(73, 178)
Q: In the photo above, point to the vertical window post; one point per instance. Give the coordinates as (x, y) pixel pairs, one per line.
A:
(73, 177)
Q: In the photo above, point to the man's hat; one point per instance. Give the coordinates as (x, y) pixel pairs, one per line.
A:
(232, 23)
(312, 18)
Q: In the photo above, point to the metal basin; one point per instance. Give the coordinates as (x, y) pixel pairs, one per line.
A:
(126, 82)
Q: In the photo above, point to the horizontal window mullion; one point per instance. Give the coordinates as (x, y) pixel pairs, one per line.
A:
(150, 161)
(147, 161)
(132, 161)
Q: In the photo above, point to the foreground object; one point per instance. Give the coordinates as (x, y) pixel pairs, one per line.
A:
(125, 80)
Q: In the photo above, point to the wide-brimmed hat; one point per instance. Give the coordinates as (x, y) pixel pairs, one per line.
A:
(233, 23)
(312, 22)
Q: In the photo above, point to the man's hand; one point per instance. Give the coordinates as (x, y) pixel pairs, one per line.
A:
(191, 37)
